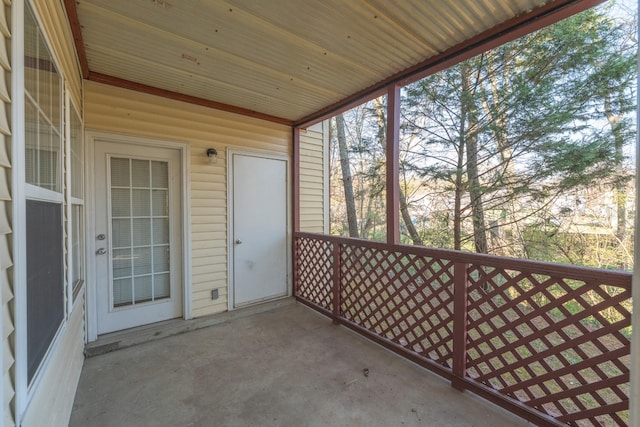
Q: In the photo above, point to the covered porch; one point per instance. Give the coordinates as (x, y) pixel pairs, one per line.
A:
(155, 121)
(288, 366)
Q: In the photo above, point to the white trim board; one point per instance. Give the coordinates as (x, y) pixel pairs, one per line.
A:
(19, 209)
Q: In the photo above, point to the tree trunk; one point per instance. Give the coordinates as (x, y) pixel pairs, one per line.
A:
(513, 242)
(619, 186)
(347, 180)
(404, 206)
(457, 201)
(471, 142)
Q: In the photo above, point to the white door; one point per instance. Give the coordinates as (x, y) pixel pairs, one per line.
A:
(259, 228)
(138, 229)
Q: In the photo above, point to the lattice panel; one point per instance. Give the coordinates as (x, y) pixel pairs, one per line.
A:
(558, 345)
(405, 298)
(314, 265)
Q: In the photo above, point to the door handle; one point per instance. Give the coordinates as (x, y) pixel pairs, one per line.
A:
(101, 251)
(238, 242)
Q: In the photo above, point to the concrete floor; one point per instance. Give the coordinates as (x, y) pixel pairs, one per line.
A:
(286, 367)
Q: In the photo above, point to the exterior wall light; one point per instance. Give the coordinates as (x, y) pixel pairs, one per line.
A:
(212, 154)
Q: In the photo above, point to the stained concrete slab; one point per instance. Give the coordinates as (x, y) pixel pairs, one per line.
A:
(160, 330)
(285, 367)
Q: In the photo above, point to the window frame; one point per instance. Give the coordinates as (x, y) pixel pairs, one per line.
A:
(23, 191)
(73, 202)
(43, 194)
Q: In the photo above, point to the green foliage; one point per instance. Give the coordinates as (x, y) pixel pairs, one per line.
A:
(541, 120)
(542, 131)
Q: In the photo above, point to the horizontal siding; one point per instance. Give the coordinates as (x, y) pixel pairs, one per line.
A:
(7, 301)
(122, 111)
(52, 403)
(312, 183)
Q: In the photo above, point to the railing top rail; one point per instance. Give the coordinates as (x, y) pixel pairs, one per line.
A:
(620, 279)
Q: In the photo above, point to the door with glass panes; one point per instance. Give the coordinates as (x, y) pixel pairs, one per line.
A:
(138, 237)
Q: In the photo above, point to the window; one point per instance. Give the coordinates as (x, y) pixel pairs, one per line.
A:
(76, 153)
(44, 106)
(77, 249)
(43, 111)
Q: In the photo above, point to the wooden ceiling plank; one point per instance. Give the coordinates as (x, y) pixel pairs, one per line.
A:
(126, 84)
(178, 80)
(496, 36)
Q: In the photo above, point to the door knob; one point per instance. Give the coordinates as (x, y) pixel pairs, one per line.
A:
(238, 241)
(101, 251)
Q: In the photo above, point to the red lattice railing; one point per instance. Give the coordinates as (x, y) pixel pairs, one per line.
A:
(548, 342)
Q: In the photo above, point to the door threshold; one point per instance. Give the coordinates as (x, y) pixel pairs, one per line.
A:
(129, 337)
(259, 301)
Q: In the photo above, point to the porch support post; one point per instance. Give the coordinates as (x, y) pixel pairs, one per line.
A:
(295, 204)
(393, 164)
(634, 394)
(459, 325)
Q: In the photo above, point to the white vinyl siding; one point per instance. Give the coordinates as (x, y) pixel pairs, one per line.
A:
(313, 150)
(126, 112)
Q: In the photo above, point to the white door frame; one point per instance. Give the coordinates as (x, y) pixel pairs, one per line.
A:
(90, 228)
(230, 199)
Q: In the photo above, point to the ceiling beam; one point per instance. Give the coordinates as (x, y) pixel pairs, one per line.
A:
(87, 74)
(139, 87)
(510, 30)
(76, 31)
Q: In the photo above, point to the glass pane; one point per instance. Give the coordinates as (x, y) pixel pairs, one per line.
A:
(141, 232)
(120, 172)
(141, 261)
(48, 156)
(160, 203)
(140, 173)
(56, 97)
(160, 259)
(161, 286)
(31, 143)
(30, 54)
(44, 97)
(121, 233)
(121, 263)
(160, 171)
(120, 202)
(77, 155)
(122, 294)
(44, 103)
(77, 248)
(160, 230)
(143, 289)
(141, 202)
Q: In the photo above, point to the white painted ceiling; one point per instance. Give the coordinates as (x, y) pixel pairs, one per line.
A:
(285, 58)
